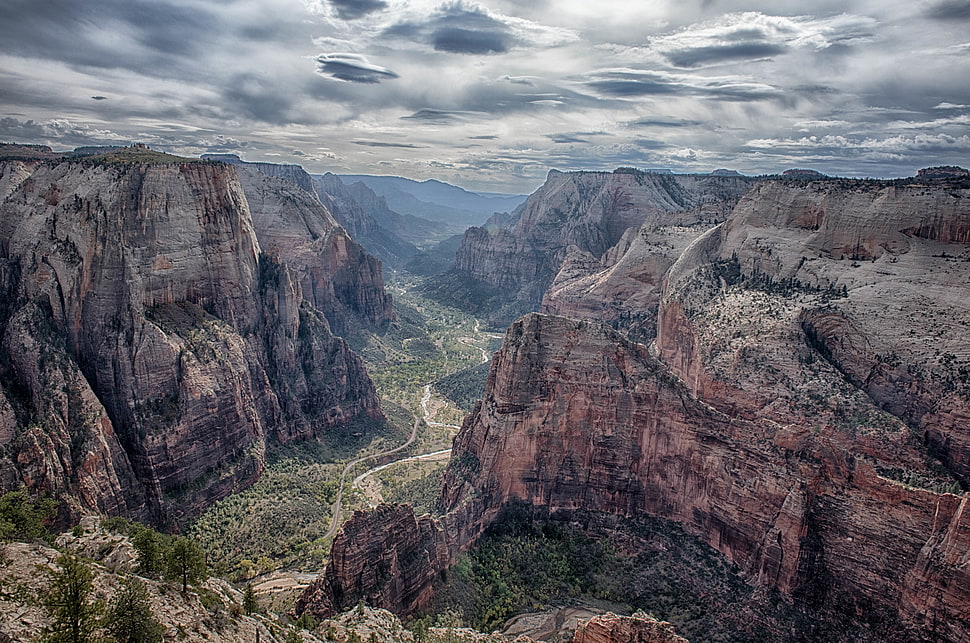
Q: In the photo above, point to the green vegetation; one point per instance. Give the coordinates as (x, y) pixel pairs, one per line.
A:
(149, 547)
(464, 387)
(417, 483)
(526, 562)
(250, 605)
(280, 519)
(129, 618)
(184, 562)
(24, 518)
(76, 616)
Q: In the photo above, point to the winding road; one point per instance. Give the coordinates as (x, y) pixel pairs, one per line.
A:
(337, 504)
(425, 399)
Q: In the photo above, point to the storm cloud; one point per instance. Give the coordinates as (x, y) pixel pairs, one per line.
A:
(353, 9)
(495, 92)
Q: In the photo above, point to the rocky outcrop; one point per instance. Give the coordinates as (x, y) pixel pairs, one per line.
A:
(149, 351)
(590, 211)
(803, 409)
(623, 288)
(392, 567)
(639, 628)
(335, 274)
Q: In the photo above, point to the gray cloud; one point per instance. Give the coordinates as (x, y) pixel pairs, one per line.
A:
(353, 9)
(408, 146)
(432, 116)
(950, 10)
(655, 122)
(565, 138)
(720, 53)
(352, 68)
(458, 28)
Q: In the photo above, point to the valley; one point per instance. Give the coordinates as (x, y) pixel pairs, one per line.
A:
(643, 393)
(312, 489)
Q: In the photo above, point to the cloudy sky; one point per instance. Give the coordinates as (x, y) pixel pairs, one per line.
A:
(491, 94)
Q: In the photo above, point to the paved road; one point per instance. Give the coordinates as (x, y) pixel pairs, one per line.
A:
(338, 503)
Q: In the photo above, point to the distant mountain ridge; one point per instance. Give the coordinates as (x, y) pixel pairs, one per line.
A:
(436, 200)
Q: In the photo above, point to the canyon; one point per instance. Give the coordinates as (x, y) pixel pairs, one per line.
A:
(574, 216)
(776, 365)
(793, 390)
(153, 344)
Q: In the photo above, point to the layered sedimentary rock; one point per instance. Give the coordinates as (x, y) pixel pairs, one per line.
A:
(394, 568)
(336, 275)
(804, 409)
(610, 628)
(589, 212)
(367, 218)
(149, 353)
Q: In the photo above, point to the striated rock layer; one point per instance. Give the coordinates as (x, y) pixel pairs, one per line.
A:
(610, 628)
(588, 212)
(149, 353)
(804, 410)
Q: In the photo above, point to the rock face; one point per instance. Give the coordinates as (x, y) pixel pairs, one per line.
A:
(394, 570)
(589, 212)
(803, 410)
(336, 275)
(610, 628)
(149, 352)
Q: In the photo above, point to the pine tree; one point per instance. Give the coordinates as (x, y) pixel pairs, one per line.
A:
(22, 518)
(250, 604)
(130, 618)
(185, 562)
(148, 547)
(68, 601)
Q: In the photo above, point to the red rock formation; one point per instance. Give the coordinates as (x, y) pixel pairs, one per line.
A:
(591, 211)
(150, 351)
(807, 390)
(610, 628)
(393, 567)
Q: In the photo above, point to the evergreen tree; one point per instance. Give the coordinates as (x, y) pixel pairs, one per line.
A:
(130, 618)
(185, 562)
(250, 604)
(68, 601)
(148, 547)
(22, 518)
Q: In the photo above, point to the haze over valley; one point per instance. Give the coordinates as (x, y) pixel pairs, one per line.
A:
(397, 321)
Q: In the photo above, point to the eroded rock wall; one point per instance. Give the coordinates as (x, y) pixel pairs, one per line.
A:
(149, 352)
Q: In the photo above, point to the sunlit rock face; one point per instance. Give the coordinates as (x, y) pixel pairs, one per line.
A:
(803, 407)
(150, 351)
(584, 212)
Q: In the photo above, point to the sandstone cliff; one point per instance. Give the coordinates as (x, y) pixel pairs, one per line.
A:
(336, 275)
(149, 351)
(590, 211)
(804, 410)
